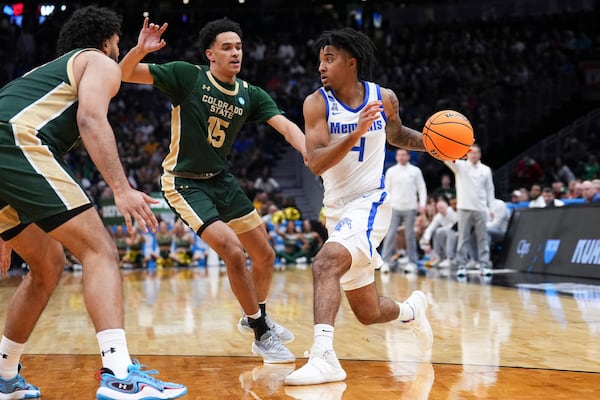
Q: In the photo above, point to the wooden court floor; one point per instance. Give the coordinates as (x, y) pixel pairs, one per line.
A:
(491, 342)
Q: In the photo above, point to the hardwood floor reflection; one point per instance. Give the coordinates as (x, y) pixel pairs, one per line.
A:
(490, 342)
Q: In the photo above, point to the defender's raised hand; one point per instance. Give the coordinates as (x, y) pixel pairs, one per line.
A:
(150, 39)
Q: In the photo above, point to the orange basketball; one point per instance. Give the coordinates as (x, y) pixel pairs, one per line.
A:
(448, 135)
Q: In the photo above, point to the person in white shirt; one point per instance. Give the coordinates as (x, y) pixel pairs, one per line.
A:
(442, 229)
(535, 195)
(406, 186)
(549, 199)
(498, 222)
(474, 195)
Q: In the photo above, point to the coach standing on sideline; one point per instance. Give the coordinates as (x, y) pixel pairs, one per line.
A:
(474, 196)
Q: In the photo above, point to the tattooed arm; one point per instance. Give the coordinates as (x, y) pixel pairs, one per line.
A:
(398, 134)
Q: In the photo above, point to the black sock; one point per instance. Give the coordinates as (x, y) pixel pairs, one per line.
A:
(259, 326)
(263, 308)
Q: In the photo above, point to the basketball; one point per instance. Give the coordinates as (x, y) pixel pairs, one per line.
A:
(448, 135)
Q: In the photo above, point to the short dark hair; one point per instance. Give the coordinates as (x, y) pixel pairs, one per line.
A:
(209, 33)
(88, 27)
(354, 42)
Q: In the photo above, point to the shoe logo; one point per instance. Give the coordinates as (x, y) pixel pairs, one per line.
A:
(123, 387)
(3, 355)
(109, 351)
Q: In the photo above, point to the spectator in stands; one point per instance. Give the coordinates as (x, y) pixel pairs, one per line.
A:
(160, 252)
(445, 189)
(406, 186)
(261, 199)
(197, 181)
(266, 182)
(424, 219)
(549, 199)
(590, 192)
(497, 224)
(119, 236)
(311, 239)
(443, 231)
(515, 197)
(590, 169)
(535, 196)
(559, 189)
(292, 245)
(268, 217)
(475, 195)
(529, 171)
(183, 238)
(291, 211)
(561, 171)
(524, 195)
(576, 189)
(134, 257)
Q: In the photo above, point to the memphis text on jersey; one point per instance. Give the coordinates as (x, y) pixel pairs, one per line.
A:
(340, 128)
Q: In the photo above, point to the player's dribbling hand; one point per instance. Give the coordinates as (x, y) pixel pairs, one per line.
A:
(368, 115)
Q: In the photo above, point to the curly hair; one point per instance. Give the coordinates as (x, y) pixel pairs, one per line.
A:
(356, 43)
(88, 27)
(209, 33)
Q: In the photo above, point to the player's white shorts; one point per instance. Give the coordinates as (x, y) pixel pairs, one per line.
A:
(360, 225)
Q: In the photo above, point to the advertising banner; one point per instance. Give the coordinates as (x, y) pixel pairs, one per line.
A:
(112, 216)
(560, 241)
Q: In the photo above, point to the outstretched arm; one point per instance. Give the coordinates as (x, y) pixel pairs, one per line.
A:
(290, 131)
(149, 40)
(322, 154)
(398, 134)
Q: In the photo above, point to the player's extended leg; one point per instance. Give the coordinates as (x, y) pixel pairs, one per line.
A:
(371, 308)
(221, 238)
(84, 235)
(256, 243)
(224, 241)
(329, 265)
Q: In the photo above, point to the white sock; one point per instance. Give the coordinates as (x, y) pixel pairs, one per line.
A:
(256, 315)
(10, 353)
(407, 313)
(324, 336)
(113, 348)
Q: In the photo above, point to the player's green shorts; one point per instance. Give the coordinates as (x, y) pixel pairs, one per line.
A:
(199, 202)
(34, 183)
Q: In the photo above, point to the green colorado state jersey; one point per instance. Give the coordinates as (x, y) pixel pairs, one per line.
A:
(207, 115)
(43, 104)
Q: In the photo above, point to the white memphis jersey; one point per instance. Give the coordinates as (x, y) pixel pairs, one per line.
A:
(361, 170)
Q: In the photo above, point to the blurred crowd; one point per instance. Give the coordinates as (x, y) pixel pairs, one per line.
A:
(481, 68)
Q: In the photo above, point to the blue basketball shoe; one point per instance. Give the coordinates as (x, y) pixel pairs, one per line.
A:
(138, 385)
(17, 388)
